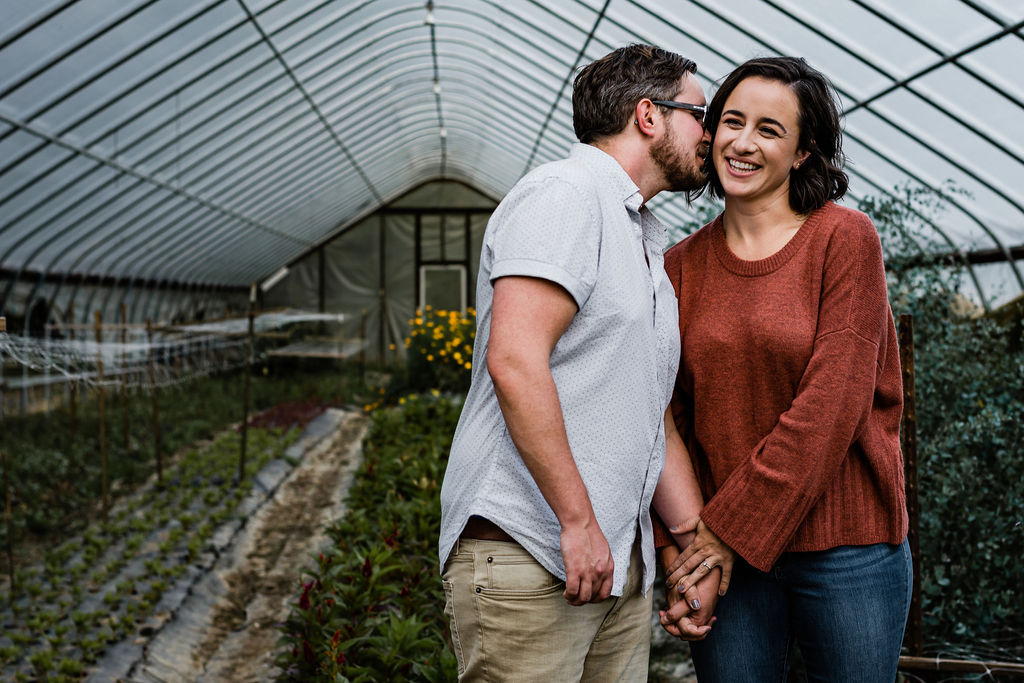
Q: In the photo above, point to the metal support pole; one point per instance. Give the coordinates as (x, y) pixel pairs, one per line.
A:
(101, 403)
(908, 442)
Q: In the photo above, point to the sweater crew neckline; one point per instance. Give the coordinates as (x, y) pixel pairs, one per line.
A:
(770, 264)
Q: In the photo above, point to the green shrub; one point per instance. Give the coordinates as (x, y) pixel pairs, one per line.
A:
(439, 350)
(970, 431)
(372, 606)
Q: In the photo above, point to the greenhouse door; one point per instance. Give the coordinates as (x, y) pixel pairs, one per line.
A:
(443, 287)
(443, 260)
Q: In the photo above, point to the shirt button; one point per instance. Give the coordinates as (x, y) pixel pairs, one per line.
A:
(489, 560)
(478, 589)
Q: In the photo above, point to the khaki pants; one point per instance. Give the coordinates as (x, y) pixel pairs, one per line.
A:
(509, 621)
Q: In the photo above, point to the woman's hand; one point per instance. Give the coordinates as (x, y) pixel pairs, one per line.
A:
(681, 620)
(696, 561)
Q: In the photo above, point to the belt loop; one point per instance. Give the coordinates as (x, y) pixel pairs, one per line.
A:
(457, 542)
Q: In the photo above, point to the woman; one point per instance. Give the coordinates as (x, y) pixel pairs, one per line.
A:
(789, 397)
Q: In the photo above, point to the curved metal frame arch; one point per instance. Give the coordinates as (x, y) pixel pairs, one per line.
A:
(965, 169)
(766, 45)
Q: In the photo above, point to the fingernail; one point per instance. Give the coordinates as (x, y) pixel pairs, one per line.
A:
(696, 603)
(673, 529)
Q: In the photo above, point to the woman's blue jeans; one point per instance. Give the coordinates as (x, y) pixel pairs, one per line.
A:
(845, 607)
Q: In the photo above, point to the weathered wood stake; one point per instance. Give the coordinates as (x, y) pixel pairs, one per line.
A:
(9, 521)
(157, 452)
(124, 377)
(72, 389)
(908, 442)
(245, 390)
(101, 403)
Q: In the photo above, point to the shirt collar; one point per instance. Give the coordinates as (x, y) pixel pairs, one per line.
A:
(611, 172)
(623, 187)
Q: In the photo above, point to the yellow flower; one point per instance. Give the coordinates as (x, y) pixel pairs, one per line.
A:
(430, 357)
(468, 365)
(435, 392)
(401, 401)
(391, 346)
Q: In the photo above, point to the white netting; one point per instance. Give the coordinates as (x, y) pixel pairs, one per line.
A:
(131, 356)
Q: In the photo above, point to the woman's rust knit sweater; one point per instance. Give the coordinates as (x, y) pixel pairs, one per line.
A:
(789, 392)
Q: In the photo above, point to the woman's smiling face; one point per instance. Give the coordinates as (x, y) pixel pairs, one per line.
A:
(756, 143)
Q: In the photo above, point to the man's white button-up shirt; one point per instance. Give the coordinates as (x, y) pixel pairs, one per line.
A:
(579, 223)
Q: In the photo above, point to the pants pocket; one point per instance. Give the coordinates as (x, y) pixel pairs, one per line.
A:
(453, 625)
(519, 575)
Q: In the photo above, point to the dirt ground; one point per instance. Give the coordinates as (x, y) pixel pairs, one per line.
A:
(227, 629)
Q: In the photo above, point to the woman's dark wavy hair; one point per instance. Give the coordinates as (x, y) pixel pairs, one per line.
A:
(820, 177)
(605, 92)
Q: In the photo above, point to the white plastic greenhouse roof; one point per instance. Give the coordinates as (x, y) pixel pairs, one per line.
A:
(213, 141)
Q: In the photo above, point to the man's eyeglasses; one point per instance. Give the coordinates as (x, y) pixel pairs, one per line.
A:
(701, 109)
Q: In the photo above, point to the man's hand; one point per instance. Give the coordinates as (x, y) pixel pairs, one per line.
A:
(705, 553)
(589, 566)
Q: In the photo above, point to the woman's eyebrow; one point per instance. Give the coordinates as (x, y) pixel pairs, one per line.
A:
(764, 119)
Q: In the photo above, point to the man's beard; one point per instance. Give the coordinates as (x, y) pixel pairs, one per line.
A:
(680, 174)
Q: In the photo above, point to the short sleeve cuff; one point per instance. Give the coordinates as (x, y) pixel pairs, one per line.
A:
(518, 267)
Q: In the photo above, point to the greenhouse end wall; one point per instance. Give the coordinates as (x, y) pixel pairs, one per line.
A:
(378, 271)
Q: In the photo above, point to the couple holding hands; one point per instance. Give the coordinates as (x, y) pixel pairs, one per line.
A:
(731, 404)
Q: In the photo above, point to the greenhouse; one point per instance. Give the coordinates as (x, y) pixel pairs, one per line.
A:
(239, 250)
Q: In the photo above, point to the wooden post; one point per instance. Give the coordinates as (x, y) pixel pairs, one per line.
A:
(101, 403)
(245, 390)
(3, 328)
(1015, 669)
(908, 442)
(9, 521)
(157, 452)
(124, 377)
(362, 348)
(341, 362)
(72, 387)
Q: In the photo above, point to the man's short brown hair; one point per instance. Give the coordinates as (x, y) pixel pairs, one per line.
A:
(606, 91)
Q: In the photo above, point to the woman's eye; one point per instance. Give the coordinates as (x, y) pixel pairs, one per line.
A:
(732, 122)
(769, 132)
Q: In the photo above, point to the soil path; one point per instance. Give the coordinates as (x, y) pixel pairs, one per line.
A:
(227, 628)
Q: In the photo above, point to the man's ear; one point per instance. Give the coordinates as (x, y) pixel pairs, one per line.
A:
(645, 116)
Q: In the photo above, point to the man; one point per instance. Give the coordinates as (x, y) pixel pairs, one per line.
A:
(545, 502)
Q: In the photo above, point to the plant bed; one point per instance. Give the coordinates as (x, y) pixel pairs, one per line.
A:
(121, 578)
(372, 606)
